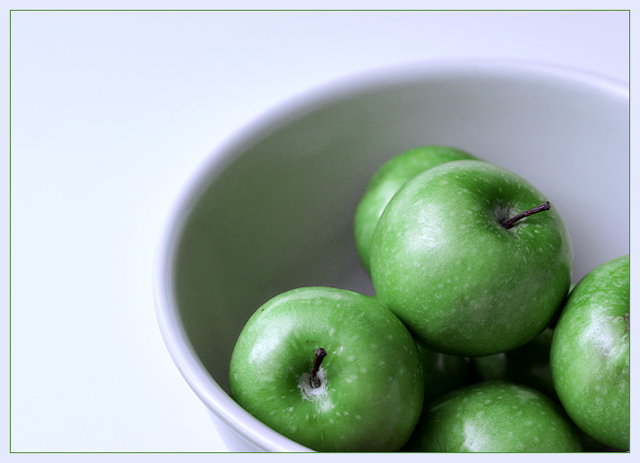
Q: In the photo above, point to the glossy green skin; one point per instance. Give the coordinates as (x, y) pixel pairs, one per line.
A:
(372, 390)
(590, 354)
(460, 281)
(442, 373)
(528, 365)
(387, 181)
(494, 416)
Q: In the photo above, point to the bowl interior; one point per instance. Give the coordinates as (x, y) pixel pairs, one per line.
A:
(273, 210)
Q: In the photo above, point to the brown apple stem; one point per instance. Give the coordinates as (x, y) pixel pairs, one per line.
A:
(320, 355)
(507, 224)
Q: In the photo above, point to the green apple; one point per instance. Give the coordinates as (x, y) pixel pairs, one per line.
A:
(472, 258)
(494, 416)
(331, 369)
(590, 353)
(528, 365)
(387, 181)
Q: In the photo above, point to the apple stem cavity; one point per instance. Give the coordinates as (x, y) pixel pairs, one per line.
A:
(508, 223)
(320, 355)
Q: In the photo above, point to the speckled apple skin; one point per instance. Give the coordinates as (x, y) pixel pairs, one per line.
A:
(387, 181)
(460, 281)
(494, 416)
(372, 378)
(590, 353)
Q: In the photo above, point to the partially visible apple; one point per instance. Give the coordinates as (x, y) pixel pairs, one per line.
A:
(590, 353)
(442, 373)
(528, 365)
(494, 416)
(387, 181)
(331, 369)
(472, 258)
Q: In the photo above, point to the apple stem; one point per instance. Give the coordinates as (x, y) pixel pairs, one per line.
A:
(507, 224)
(320, 355)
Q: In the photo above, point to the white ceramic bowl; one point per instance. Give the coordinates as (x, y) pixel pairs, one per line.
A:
(273, 208)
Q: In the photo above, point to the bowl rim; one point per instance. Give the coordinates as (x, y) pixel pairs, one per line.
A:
(214, 397)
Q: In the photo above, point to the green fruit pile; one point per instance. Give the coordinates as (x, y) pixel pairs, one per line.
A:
(474, 341)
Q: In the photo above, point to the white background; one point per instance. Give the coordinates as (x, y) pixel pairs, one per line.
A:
(112, 112)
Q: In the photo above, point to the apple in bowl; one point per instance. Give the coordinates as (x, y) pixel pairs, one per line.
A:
(590, 353)
(472, 258)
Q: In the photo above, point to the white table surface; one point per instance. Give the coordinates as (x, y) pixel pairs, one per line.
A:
(112, 112)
